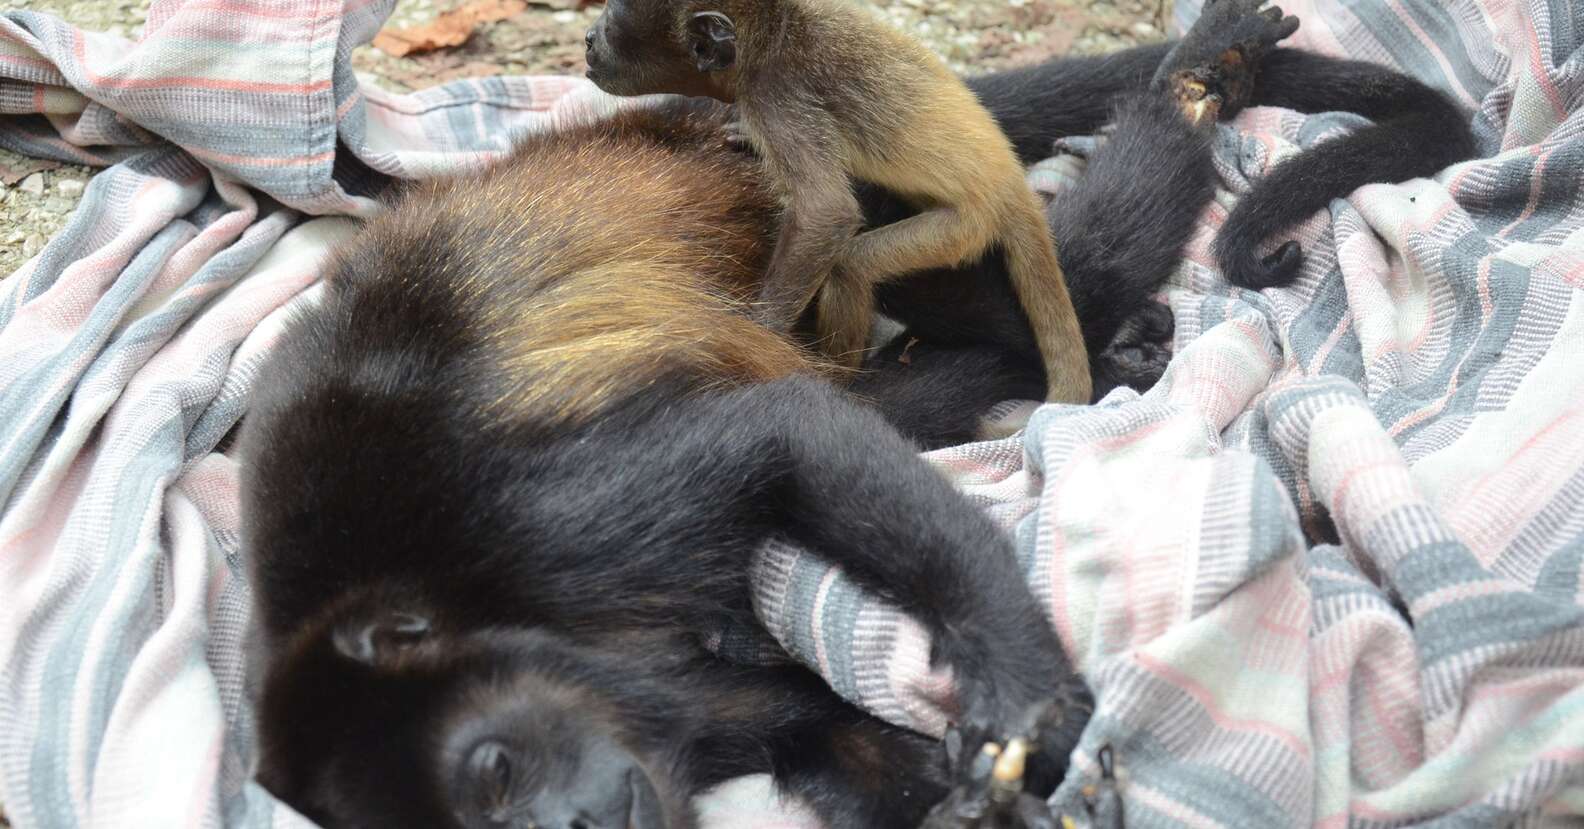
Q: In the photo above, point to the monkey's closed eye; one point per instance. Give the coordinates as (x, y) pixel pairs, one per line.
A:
(389, 634)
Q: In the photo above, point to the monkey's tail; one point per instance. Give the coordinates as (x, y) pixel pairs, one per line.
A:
(1041, 288)
(1418, 132)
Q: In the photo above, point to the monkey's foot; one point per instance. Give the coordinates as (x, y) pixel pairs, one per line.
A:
(1211, 71)
(1138, 356)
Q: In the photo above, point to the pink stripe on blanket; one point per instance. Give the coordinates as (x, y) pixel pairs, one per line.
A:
(1212, 708)
(79, 49)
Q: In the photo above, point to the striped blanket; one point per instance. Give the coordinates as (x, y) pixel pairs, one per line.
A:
(1330, 571)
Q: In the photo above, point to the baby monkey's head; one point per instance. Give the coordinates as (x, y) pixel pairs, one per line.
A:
(684, 47)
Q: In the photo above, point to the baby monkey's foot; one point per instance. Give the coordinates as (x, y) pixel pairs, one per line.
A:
(1137, 357)
(1211, 71)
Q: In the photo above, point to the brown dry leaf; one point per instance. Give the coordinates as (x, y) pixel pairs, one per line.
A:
(451, 28)
(11, 174)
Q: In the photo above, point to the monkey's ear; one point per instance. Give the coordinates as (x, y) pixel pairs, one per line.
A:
(713, 38)
(364, 640)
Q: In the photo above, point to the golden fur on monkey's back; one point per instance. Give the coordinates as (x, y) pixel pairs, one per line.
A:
(591, 264)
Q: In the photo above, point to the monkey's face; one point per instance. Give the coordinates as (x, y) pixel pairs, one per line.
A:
(383, 721)
(641, 47)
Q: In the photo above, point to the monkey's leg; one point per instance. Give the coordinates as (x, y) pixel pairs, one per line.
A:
(844, 318)
(853, 490)
(1035, 105)
(821, 214)
(1120, 230)
(807, 249)
(939, 237)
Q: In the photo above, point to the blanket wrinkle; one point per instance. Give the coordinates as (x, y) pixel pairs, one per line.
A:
(1328, 572)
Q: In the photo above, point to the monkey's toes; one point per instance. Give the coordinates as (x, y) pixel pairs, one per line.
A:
(1139, 354)
(1223, 50)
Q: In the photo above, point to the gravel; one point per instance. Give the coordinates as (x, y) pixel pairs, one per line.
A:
(33, 209)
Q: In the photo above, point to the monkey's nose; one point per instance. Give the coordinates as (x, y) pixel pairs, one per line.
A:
(609, 791)
(588, 39)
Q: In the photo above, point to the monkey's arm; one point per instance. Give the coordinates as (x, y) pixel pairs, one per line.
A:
(801, 148)
(856, 493)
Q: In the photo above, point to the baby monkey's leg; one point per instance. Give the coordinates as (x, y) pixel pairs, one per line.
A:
(942, 237)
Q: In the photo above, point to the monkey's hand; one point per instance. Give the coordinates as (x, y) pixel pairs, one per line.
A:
(991, 796)
(1211, 71)
(989, 761)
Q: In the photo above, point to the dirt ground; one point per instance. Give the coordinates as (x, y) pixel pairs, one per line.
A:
(37, 197)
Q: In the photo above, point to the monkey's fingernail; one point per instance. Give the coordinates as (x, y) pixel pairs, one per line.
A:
(1009, 766)
(991, 750)
(1067, 823)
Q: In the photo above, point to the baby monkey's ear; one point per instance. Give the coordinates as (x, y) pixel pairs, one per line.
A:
(713, 38)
